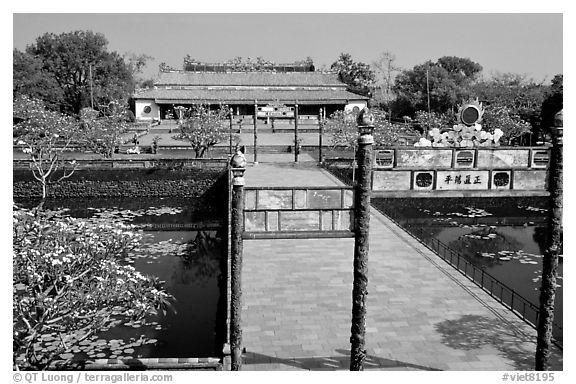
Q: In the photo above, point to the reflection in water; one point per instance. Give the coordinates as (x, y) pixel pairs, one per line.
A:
(203, 254)
(190, 268)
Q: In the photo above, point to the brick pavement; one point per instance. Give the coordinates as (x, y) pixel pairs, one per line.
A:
(422, 314)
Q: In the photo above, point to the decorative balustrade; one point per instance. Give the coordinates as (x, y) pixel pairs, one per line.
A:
(298, 212)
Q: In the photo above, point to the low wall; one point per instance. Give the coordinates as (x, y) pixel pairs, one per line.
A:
(277, 210)
(413, 171)
(127, 178)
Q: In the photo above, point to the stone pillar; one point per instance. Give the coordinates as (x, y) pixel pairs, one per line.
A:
(231, 116)
(296, 150)
(255, 131)
(554, 244)
(238, 164)
(361, 243)
(320, 134)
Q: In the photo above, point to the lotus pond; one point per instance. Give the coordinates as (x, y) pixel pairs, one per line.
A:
(184, 245)
(504, 236)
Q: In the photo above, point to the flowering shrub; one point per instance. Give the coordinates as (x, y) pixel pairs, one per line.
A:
(498, 120)
(70, 281)
(101, 131)
(504, 119)
(43, 135)
(202, 128)
(429, 120)
(343, 128)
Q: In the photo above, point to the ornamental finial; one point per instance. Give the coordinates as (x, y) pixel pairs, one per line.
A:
(365, 117)
(559, 119)
(238, 160)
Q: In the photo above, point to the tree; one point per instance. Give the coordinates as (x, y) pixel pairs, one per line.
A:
(359, 76)
(69, 283)
(101, 130)
(28, 78)
(202, 127)
(462, 70)
(136, 64)
(44, 135)
(384, 69)
(552, 103)
(523, 96)
(498, 116)
(431, 120)
(446, 82)
(79, 63)
(343, 129)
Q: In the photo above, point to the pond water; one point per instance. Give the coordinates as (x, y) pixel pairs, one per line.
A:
(504, 236)
(188, 261)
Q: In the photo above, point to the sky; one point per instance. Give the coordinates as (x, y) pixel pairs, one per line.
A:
(529, 44)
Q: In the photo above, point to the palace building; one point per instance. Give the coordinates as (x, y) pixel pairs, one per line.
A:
(276, 89)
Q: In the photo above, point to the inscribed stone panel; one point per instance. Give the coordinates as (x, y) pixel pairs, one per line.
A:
(300, 220)
(324, 199)
(343, 220)
(348, 199)
(275, 199)
(502, 158)
(299, 198)
(462, 180)
(254, 221)
(391, 181)
(250, 199)
(530, 180)
(326, 220)
(272, 221)
(424, 158)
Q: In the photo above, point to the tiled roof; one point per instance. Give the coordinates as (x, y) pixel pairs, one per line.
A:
(249, 78)
(247, 96)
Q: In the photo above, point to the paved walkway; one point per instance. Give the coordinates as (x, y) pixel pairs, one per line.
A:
(422, 314)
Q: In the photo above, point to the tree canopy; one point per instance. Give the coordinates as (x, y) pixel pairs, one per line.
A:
(30, 79)
(202, 127)
(446, 81)
(553, 102)
(43, 134)
(101, 132)
(72, 69)
(359, 76)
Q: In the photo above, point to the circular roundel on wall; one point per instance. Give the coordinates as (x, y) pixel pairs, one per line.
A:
(501, 179)
(424, 180)
(147, 109)
(470, 115)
